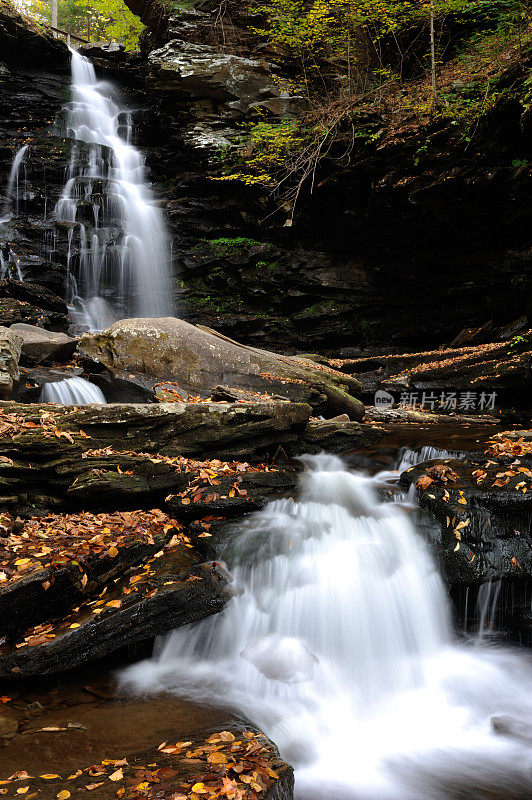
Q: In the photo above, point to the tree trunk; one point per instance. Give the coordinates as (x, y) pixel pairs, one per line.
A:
(432, 52)
(54, 15)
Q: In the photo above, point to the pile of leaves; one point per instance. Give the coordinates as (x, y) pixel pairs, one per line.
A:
(144, 581)
(198, 490)
(12, 425)
(61, 539)
(440, 473)
(221, 766)
(503, 445)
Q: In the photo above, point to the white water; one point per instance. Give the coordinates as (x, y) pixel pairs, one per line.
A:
(410, 457)
(118, 249)
(72, 391)
(341, 649)
(9, 265)
(12, 197)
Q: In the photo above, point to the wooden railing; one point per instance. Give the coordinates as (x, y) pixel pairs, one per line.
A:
(66, 34)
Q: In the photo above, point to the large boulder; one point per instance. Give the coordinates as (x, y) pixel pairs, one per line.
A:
(10, 348)
(39, 345)
(200, 359)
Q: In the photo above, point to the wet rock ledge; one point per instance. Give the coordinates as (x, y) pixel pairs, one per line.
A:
(238, 763)
(476, 512)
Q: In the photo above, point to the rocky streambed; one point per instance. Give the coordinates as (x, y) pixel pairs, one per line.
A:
(81, 585)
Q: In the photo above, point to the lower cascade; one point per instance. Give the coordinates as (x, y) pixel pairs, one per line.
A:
(72, 391)
(338, 643)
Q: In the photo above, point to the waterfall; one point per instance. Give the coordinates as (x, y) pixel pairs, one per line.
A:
(12, 191)
(118, 261)
(410, 457)
(488, 596)
(340, 647)
(72, 391)
(9, 264)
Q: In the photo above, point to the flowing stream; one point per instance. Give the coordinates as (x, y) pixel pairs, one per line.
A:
(340, 647)
(72, 391)
(118, 250)
(12, 196)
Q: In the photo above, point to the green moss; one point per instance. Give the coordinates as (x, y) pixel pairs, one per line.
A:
(227, 246)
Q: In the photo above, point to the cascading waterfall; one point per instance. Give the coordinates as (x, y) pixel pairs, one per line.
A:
(72, 391)
(340, 648)
(118, 259)
(12, 198)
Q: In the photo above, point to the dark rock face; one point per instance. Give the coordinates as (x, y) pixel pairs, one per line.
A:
(178, 601)
(498, 367)
(478, 526)
(32, 90)
(496, 533)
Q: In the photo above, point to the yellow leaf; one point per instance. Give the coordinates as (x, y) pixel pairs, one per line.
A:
(223, 736)
(49, 776)
(64, 794)
(112, 552)
(117, 776)
(23, 790)
(217, 758)
(198, 788)
(74, 625)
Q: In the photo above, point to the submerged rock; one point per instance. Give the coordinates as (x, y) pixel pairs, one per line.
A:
(200, 359)
(238, 761)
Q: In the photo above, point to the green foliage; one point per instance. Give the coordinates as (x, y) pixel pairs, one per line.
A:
(95, 20)
(520, 344)
(266, 153)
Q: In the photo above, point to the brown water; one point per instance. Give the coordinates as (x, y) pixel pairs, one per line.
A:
(465, 438)
(99, 722)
